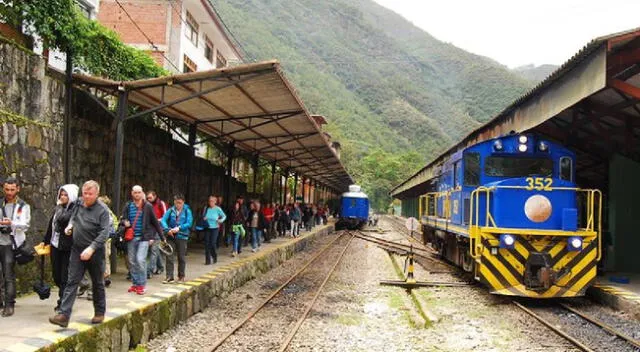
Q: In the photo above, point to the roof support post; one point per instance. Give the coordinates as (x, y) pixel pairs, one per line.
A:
(305, 189)
(285, 187)
(231, 148)
(193, 128)
(273, 180)
(254, 166)
(66, 125)
(295, 187)
(117, 176)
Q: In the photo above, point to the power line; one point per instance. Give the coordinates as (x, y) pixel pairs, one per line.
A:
(228, 30)
(155, 47)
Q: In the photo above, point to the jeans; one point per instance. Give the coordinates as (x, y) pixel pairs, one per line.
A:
(60, 269)
(9, 274)
(180, 250)
(77, 268)
(236, 242)
(155, 260)
(137, 250)
(295, 228)
(255, 237)
(210, 244)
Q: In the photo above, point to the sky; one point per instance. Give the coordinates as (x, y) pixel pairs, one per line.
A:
(517, 32)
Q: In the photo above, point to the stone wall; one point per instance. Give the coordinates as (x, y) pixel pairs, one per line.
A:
(31, 146)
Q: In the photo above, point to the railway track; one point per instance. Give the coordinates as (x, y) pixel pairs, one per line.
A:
(420, 251)
(309, 305)
(597, 330)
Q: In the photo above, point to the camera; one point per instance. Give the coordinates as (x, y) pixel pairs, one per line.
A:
(5, 230)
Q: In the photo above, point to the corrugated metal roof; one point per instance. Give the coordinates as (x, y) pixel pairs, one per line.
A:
(613, 41)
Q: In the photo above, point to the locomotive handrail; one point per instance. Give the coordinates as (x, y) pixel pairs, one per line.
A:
(592, 196)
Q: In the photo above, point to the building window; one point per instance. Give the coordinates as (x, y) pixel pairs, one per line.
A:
(220, 60)
(189, 65)
(208, 49)
(85, 8)
(192, 29)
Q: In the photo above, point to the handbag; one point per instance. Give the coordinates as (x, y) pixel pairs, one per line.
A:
(41, 287)
(23, 254)
(202, 223)
(129, 232)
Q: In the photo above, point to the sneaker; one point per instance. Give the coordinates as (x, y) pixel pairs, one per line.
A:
(168, 280)
(254, 250)
(181, 279)
(141, 290)
(60, 320)
(133, 288)
(234, 254)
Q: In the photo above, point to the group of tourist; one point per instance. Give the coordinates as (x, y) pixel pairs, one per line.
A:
(82, 227)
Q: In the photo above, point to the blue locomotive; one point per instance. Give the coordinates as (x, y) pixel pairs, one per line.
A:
(354, 209)
(508, 210)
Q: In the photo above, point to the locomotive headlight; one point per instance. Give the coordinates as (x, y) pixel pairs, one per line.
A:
(542, 146)
(522, 148)
(507, 241)
(523, 139)
(574, 243)
(497, 145)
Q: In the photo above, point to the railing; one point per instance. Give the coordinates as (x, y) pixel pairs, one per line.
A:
(593, 214)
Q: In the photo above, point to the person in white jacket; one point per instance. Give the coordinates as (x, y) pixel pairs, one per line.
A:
(16, 216)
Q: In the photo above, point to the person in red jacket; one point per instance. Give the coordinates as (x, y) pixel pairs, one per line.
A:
(156, 258)
(268, 212)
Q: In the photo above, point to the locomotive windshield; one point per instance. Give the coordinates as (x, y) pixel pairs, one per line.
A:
(505, 166)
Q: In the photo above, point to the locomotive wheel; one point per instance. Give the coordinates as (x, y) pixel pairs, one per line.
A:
(468, 263)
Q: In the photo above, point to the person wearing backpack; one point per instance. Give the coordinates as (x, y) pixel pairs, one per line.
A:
(59, 241)
(141, 226)
(296, 216)
(16, 218)
(176, 223)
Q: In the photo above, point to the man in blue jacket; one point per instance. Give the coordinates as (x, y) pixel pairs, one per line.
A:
(176, 223)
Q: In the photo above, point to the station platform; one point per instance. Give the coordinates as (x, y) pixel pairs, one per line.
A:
(134, 319)
(621, 296)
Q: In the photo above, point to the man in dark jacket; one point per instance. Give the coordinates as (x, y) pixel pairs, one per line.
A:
(140, 216)
(89, 226)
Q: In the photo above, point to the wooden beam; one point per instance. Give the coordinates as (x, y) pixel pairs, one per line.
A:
(624, 87)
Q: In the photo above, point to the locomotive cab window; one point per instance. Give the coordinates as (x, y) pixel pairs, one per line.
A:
(505, 166)
(472, 169)
(566, 168)
(456, 174)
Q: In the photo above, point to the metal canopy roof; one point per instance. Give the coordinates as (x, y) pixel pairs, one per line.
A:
(253, 106)
(589, 104)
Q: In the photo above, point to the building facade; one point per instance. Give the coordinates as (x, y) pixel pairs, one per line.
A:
(181, 35)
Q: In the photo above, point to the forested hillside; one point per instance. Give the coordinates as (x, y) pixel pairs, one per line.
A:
(394, 95)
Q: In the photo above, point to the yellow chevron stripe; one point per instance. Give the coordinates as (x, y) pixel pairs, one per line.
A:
(512, 261)
(557, 248)
(590, 257)
(504, 271)
(488, 275)
(523, 251)
(586, 278)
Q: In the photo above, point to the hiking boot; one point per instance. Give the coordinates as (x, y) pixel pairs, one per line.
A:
(133, 288)
(97, 319)
(60, 320)
(7, 311)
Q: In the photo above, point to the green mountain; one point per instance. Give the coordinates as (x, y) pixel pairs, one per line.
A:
(394, 95)
(534, 73)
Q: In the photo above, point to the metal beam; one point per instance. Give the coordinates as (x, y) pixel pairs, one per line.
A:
(248, 117)
(278, 136)
(194, 95)
(286, 116)
(117, 177)
(193, 128)
(66, 123)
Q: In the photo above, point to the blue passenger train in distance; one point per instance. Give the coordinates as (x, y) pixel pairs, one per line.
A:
(509, 211)
(354, 209)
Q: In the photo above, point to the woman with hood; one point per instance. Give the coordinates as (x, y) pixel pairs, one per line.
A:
(56, 237)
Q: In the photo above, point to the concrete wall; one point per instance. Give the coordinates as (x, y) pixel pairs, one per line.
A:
(624, 219)
(31, 115)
